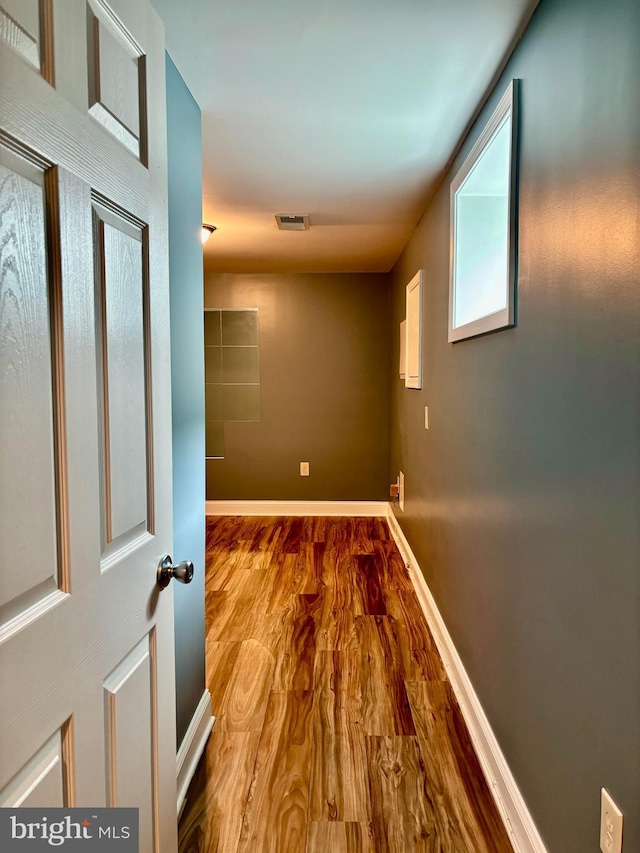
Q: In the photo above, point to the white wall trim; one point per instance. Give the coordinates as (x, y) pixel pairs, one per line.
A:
(371, 509)
(511, 805)
(193, 745)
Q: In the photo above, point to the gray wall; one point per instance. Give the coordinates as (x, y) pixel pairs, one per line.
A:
(187, 376)
(523, 498)
(324, 389)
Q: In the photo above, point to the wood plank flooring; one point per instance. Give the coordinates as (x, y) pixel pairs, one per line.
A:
(337, 730)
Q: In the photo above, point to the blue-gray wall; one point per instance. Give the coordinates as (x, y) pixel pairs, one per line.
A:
(187, 376)
(523, 497)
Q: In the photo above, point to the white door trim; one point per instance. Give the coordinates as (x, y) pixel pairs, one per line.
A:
(193, 745)
(370, 509)
(510, 802)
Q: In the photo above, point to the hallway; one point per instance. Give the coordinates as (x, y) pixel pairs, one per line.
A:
(337, 729)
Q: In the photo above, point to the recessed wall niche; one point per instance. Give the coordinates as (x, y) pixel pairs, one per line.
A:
(232, 372)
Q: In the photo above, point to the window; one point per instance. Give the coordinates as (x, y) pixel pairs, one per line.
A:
(483, 229)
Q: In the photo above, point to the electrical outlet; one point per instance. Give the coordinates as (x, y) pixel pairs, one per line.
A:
(610, 825)
(426, 417)
(304, 469)
(401, 491)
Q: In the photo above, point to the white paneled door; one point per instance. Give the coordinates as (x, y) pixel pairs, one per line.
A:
(86, 636)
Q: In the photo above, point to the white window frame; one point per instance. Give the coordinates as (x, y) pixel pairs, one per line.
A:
(504, 318)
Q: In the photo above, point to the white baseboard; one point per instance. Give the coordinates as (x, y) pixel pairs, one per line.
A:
(511, 805)
(193, 745)
(370, 509)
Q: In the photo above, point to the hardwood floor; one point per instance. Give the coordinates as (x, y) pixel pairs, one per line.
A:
(337, 730)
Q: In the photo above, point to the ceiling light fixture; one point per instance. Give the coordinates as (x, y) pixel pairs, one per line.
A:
(207, 231)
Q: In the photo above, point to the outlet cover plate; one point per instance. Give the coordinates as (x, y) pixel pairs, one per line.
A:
(401, 492)
(304, 469)
(610, 825)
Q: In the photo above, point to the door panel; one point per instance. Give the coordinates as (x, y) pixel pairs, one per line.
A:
(27, 475)
(121, 284)
(41, 783)
(130, 737)
(20, 28)
(117, 85)
(85, 459)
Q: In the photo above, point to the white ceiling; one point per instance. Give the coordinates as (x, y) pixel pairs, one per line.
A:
(347, 110)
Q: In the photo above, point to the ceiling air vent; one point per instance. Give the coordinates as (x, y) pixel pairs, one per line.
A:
(292, 222)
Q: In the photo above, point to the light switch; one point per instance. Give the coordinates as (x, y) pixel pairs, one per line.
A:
(426, 417)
